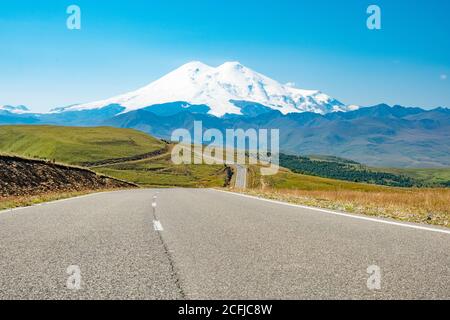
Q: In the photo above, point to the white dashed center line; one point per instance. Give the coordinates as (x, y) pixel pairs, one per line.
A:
(157, 225)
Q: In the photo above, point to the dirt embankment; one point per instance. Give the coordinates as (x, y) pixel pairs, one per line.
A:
(26, 177)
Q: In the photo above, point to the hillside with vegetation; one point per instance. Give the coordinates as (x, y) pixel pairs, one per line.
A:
(428, 176)
(342, 169)
(159, 171)
(421, 205)
(76, 145)
(121, 153)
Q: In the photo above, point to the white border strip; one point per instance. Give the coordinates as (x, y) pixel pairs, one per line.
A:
(60, 200)
(157, 225)
(399, 224)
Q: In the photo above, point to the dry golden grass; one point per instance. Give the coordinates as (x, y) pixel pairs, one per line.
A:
(420, 205)
(430, 206)
(26, 201)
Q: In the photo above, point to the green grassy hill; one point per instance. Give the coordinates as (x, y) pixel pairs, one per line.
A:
(117, 147)
(430, 177)
(286, 179)
(341, 169)
(75, 145)
(109, 151)
(159, 171)
(348, 170)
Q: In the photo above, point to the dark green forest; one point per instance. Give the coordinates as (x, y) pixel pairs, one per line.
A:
(345, 170)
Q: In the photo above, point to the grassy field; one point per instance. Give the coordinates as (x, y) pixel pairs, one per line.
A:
(75, 145)
(78, 145)
(429, 176)
(422, 205)
(287, 180)
(161, 172)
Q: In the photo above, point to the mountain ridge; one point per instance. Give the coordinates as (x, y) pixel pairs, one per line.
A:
(380, 136)
(233, 96)
(376, 136)
(217, 87)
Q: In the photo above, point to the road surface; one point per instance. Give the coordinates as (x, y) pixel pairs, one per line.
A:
(241, 170)
(241, 177)
(207, 244)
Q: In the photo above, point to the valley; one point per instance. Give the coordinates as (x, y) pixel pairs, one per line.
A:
(138, 158)
(122, 153)
(159, 171)
(349, 170)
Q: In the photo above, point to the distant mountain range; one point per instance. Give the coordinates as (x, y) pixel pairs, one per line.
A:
(381, 136)
(14, 109)
(233, 96)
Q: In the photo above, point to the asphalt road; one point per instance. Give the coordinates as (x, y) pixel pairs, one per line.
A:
(207, 244)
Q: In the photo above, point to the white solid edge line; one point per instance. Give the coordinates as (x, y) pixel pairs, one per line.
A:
(57, 201)
(157, 225)
(399, 224)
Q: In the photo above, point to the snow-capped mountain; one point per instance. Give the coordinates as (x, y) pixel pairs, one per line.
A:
(219, 88)
(14, 109)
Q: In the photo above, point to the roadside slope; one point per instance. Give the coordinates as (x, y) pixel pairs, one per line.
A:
(420, 205)
(22, 179)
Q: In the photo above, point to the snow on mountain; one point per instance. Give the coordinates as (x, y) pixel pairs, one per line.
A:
(15, 109)
(199, 84)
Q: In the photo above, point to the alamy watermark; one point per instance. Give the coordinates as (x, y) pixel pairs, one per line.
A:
(74, 20)
(374, 20)
(74, 279)
(235, 147)
(374, 280)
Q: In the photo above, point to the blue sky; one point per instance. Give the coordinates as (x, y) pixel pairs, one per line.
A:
(320, 44)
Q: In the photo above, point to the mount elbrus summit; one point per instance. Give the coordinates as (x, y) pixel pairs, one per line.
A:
(234, 96)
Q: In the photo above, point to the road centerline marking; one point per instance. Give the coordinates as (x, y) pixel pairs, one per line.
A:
(157, 225)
